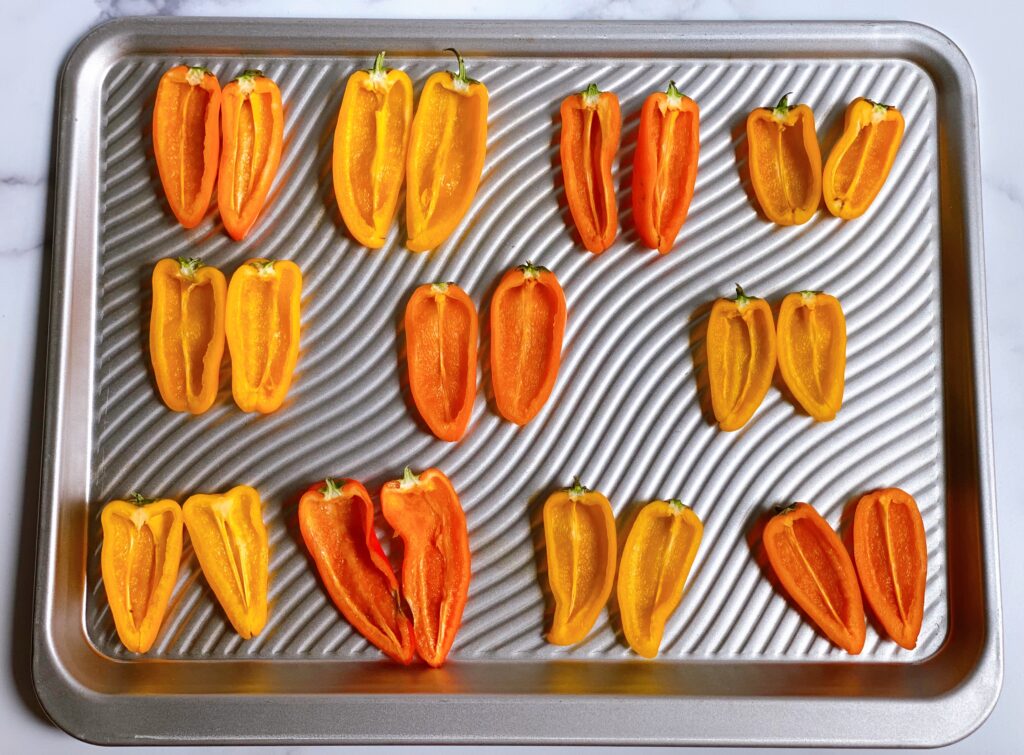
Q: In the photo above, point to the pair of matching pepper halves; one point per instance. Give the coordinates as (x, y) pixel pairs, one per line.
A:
(579, 534)
(203, 136)
(438, 153)
(194, 309)
(441, 329)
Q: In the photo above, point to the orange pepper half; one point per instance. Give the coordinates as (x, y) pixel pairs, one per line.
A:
(262, 325)
(186, 139)
(811, 345)
(891, 553)
(665, 166)
(858, 165)
(139, 561)
(656, 561)
(785, 161)
(425, 512)
(253, 132)
(370, 144)
(591, 125)
(815, 569)
(527, 325)
(230, 541)
(446, 156)
(579, 535)
(440, 338)
(186, 333)
(740, 348)
(337, 527)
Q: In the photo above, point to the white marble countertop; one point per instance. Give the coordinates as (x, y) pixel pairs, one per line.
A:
(36, 37)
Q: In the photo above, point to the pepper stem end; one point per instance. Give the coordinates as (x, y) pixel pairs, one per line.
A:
(138, 499)
(781, 110)
(330, 490)
(577, 490)
(591, 95)
(408, 478)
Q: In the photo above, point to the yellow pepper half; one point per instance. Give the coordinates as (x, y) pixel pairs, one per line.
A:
(370, 150)
(230, 541)
(446, 156)
(811, 345)
(579, 533)
(656, 561)
(139, 562)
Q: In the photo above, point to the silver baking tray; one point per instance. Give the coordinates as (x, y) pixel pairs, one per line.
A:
(739, 664)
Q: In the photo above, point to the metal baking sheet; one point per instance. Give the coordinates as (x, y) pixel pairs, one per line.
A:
(629, 412)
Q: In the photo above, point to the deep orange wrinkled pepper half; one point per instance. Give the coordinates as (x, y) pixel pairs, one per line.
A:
(665, 166)
(860, 161)
(656, 561)
(811, 346)
(337, 527)
(815, 569)
(262, 326)
(591, 125)
(252, 126)
(186, 139)
(425, 512)
(446, 156)
(527, 326)
(579, 536)
(441, 342)
(785, 162)
(370, 144)
(230, 542)
(186, 333)
(139, 561)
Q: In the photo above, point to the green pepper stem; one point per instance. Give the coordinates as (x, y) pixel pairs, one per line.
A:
(672, 92)
(577, 490)
(591, 95)
(677, 504)
(530, 270)
(409, 479)
(460, 79)
(187, 266)
(138, 499)
(330, 490)
(378, 64)
(742, 299)
(264, 267)
(782, 109)
(784, 508)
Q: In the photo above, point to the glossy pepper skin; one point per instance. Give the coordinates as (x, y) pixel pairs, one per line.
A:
(370, 144)
(891, 554)
(139, 561)
(446, 156)
(579, 535)
(527, 326)
(665, 166)
(740, 348)
(811, 346)
(186, 333)
(785, 162)
(337, 526)
(656, 561)
(860, 161)
(441, 341)
(262, 326)
(815, 569)
(253, 132)
(425, 512)
(230, 541)
(591, 125)
(186, 140)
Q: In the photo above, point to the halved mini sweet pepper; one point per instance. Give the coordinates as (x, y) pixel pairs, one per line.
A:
(891, 553)
(230, 542)
(591, 125)
(186, 139)
(441, 341)
(425, 512)
(785, 161)
(253, 133)
(527, 325)
(139, 562)
(665, 166)
(656, 561)
(814, 568)
(860, 161)
(740, 346)
(370, 144)
(811, 346)
(337, 527)
(579, 535)
(186, 333)
(262, 326)
(446, 156)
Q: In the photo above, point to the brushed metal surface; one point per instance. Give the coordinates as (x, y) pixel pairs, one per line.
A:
(628, 413)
